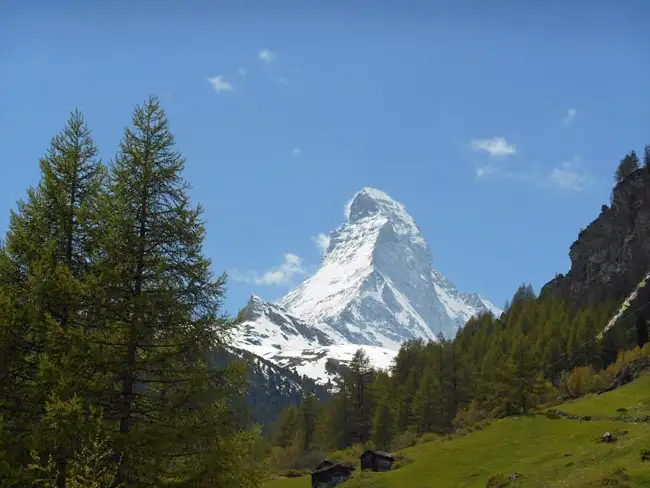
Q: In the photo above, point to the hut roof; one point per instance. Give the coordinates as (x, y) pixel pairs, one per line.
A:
(333, 467)
(323, 463)
(383, 454)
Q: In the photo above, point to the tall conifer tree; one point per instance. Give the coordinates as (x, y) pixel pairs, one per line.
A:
(162, 322)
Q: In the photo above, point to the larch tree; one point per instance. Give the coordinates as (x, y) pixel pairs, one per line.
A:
(384, 427)
(361, 404)
(426, 402)
(46, 269)
(308, 419)
(174, 413)
(628, 165)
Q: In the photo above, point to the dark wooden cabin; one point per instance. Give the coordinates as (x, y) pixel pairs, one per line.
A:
(377, 460)
(330, 474)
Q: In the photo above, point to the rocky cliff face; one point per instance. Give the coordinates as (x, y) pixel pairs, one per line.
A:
(613, 253)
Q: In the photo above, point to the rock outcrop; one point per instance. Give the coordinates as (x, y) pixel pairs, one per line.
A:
(612, 254)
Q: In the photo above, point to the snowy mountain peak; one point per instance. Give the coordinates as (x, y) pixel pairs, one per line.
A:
(376, 285)
(375, 288)
(369, 202)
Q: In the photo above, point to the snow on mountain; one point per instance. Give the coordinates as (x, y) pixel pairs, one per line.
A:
(376, 285)
(312, 362)
(271, 333)
(268, 325)
(375, 288)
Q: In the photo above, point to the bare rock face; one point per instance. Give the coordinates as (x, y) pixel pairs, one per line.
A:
(613, 253)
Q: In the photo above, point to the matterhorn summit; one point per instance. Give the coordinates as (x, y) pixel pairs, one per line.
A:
(375, 287)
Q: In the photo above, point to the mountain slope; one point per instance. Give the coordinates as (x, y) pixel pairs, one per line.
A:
(271, 387)
(547, 452)
(375, 288)
(376, 285)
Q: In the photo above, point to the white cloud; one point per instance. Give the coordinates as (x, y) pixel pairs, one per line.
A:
(568, 175)
(322, 241)
(497, 146)
(242, 72)
(570, 115)
(565, 176)
(220, 84)
(346, 209)
(569, 180)
(283, 274)
(483, 171)
(296, 151)
(279, 80)
(267, 55)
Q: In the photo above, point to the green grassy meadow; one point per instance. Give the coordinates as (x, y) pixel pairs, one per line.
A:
(545, 452)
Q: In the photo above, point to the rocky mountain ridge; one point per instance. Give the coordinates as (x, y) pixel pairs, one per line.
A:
(612, 254)
(375, 288)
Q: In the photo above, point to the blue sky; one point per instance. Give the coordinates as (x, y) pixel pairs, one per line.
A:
(499, 127)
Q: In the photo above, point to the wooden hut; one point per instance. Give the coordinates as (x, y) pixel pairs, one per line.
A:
(377, 460)
(330, 474)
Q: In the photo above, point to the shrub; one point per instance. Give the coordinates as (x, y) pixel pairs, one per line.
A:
(404, 440)
(294, 473)
(428, 437)
(616, 478)
(578, 382)
(401, 461)
(497, 481)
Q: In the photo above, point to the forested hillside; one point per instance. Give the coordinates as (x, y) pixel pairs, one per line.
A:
(539, 350)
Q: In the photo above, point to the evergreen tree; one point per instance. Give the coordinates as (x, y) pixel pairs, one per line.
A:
(384, 427)
(308, 419)
(628, 165)
(646, 157)
(286, 426)
(162, 323)
(46, 272)
(360, 377)
(426, 402)
(524, 375)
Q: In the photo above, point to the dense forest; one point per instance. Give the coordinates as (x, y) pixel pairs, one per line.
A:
(114, 370)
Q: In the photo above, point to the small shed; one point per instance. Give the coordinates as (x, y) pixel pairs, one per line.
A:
(330, 475)
(377, 460)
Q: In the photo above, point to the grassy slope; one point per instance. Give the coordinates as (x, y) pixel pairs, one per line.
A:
(548, 453)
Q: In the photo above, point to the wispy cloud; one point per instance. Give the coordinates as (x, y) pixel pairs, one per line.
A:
(570, 176)
(291, 268)
(267, 55)
(484, 171)
(220, 84)
(242, 72)
(296, 152)
(280, 80)
(569, 180)
(346, 208)
(497, 146)
(570, 116)
(322, 241)
(567, 176)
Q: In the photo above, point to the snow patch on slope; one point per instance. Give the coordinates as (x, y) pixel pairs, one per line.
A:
(346, 264)
(312, 362)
